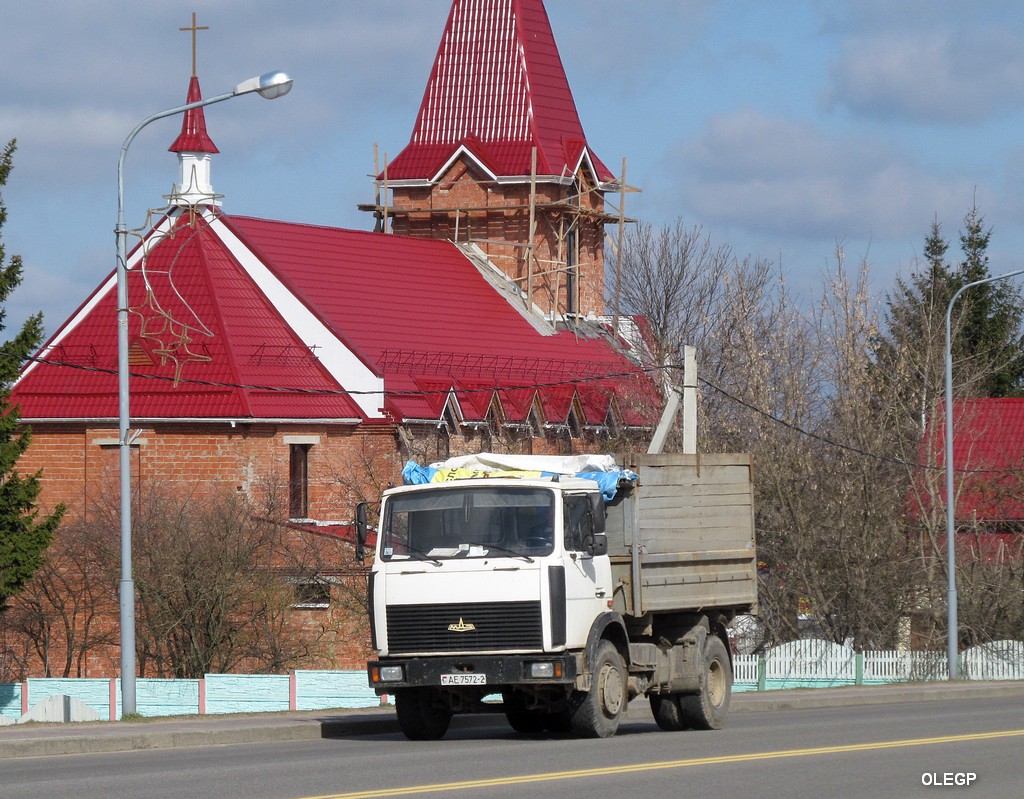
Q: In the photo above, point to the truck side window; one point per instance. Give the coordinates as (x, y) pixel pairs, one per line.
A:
(577, 522)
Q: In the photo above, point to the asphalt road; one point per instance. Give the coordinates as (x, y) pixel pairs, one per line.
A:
(854, 744)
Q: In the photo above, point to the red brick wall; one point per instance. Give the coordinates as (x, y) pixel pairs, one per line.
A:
(80, 463)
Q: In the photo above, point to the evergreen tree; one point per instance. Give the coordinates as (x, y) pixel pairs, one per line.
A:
(24, 537)
(918, 305)
(986, 326)
(908, 352)
(991, 315)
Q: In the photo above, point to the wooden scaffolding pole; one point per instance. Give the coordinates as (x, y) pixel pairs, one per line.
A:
(531, 228)
(618, 251)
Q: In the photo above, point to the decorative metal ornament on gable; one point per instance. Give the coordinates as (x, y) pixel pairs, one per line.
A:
(171, 329)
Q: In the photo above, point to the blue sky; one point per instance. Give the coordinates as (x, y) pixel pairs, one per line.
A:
(781, 127)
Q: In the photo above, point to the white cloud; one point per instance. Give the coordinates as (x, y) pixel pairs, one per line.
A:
(773, 175)
(930, 76)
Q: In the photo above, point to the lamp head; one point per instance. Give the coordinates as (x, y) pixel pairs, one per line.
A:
(270, 85)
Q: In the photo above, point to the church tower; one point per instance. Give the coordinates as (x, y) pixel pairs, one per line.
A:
(498, 158)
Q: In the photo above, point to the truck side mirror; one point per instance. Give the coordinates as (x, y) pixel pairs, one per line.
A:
(596, 543)
(361, 529)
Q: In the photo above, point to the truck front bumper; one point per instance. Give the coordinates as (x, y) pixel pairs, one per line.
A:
(472, 670)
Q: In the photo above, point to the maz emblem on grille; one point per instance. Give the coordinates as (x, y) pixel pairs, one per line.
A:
(461, 627)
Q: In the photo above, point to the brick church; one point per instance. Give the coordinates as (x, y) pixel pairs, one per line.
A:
(318, 359)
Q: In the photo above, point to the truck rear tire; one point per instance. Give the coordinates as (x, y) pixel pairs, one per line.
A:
(597, 713)
(707, 709)
(667, 712)
(420, 714)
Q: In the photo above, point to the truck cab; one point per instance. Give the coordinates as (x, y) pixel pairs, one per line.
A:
(492, 579)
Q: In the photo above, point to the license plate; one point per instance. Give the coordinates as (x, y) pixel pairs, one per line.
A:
(463, 679)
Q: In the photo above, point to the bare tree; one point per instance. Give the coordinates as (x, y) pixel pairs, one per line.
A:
(63, 614)
(216, 583)
(796, 388)
(672, 278)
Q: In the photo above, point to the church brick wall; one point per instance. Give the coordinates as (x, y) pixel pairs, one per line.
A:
(80, 469)
(81, 463)
(487, 219)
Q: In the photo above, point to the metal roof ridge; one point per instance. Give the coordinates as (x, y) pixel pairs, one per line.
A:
(340, 360)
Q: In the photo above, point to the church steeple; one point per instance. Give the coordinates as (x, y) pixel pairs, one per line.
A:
(194, 146)
(498, 157)
(498, 89)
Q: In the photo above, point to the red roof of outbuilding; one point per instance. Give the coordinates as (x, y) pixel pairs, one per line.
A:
(497, 88)
(251, 318)
(988, 458)
(193, 137)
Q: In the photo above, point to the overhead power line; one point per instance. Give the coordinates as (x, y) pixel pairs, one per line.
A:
(631, 373)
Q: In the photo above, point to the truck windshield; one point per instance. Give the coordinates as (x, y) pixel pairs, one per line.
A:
(471, 522)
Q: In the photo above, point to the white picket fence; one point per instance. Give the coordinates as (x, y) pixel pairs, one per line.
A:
(813, 663)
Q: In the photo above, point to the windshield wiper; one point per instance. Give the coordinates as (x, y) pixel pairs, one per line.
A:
(500, 548)
(425, 555)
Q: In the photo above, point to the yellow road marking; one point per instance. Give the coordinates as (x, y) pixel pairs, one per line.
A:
(552, 776)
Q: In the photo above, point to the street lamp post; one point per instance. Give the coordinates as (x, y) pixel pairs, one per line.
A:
(269, 85)
(951, 598)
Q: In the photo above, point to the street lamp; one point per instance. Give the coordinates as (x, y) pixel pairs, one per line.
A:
(269, 85)
(951, 599)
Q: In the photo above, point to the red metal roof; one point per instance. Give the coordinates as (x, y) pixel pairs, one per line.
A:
(418, 310)
(415, 311)
(988, 458)
(202, 320)
(497, 88)
(193, 137)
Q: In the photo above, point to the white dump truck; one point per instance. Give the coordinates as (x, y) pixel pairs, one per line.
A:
(566, 586)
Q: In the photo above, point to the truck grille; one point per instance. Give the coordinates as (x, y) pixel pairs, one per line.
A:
(464, 627)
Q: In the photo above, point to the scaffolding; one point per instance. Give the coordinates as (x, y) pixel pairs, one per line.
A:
(564, 218)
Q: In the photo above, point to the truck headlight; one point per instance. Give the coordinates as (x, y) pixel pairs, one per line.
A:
(548, 670)
(389, 674)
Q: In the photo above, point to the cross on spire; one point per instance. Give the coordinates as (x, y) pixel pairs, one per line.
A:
(194, 28)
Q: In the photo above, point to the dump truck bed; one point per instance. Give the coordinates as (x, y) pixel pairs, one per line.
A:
(682, 539)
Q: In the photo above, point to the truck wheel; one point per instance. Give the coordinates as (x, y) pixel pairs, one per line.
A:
(707, 709)
(596, 714)
(559, 722)
(420, 716)
(526, 721)
(521, 719)
(667, 712)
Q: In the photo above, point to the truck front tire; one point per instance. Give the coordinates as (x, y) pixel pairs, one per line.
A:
(597, 713)
(707, 709)
(421, 715)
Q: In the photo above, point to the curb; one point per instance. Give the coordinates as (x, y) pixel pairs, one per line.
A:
(45, 740)
(816, 698)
